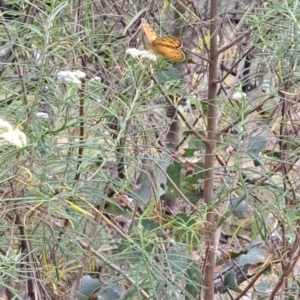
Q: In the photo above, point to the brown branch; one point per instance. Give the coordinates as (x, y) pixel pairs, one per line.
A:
(292, 262)
(253, 280)
(81, 94)
(238, 28)
(250, 111)
(235, 64)
(214, 233)
(238, 39)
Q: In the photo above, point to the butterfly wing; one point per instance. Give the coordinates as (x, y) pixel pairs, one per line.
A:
(149, 32)
(168, 41)
(168, 53)
(168, 47)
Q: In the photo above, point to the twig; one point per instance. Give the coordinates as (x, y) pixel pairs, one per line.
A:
(294, 259)
(113, 266)
(251, 283)
(170, 102)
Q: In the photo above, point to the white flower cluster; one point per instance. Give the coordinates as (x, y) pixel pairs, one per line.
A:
(238, 96)
(11, 136)
(141, 54)
(71, 76)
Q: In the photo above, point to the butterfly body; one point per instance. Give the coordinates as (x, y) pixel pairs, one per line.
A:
(168, 47)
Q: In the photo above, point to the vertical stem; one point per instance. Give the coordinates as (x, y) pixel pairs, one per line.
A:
(212, 246)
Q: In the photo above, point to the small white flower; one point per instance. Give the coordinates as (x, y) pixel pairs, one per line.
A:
(71, 76)
(79, 74)
(238, 96)
(4, 52)
(5, 126)
(96, 78)
(9, 135)
(141, 53)
(42, 115)
(95, 82)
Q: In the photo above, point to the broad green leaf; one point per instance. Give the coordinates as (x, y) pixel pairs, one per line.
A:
(149, 225)
(230, 281)
(170, 74)
(88, 286)
(254, 256)
(174, 172)
(144, 189)
(254, 147)
(192, 278)
(240, 208)
(112, 291)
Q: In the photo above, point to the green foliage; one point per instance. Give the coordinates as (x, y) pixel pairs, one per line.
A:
(85, 176)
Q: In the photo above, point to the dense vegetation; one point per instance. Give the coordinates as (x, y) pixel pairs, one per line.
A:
(127, 175)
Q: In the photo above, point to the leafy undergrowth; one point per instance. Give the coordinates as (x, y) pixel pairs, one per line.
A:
(102, 199)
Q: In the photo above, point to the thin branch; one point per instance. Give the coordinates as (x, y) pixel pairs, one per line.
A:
(239, 27)
(252, 282)
(170, 102)
(238, 39)
(111, 265)
(292, 262)
(235, 64)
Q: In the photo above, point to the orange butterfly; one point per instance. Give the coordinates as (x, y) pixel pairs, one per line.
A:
(168, 47)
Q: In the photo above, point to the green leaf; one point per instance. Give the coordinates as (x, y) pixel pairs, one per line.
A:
(170, 74)
(144, 189)
(149, 210)
(127, 252)
(146, 239)
(191, 180)
(254, 256)
(185, 228)
(264, 287)
(240, 208)
(255, 145)
(174, 172)
(192, 278)
(193, 197)
(88, 286)
(118, 211)
(183, 219)
(112, 291)
(230, 281)
(178, 260)
(149, 225)
(195, 143)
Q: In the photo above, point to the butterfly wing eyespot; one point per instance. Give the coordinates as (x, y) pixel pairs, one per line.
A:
(168, 47)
